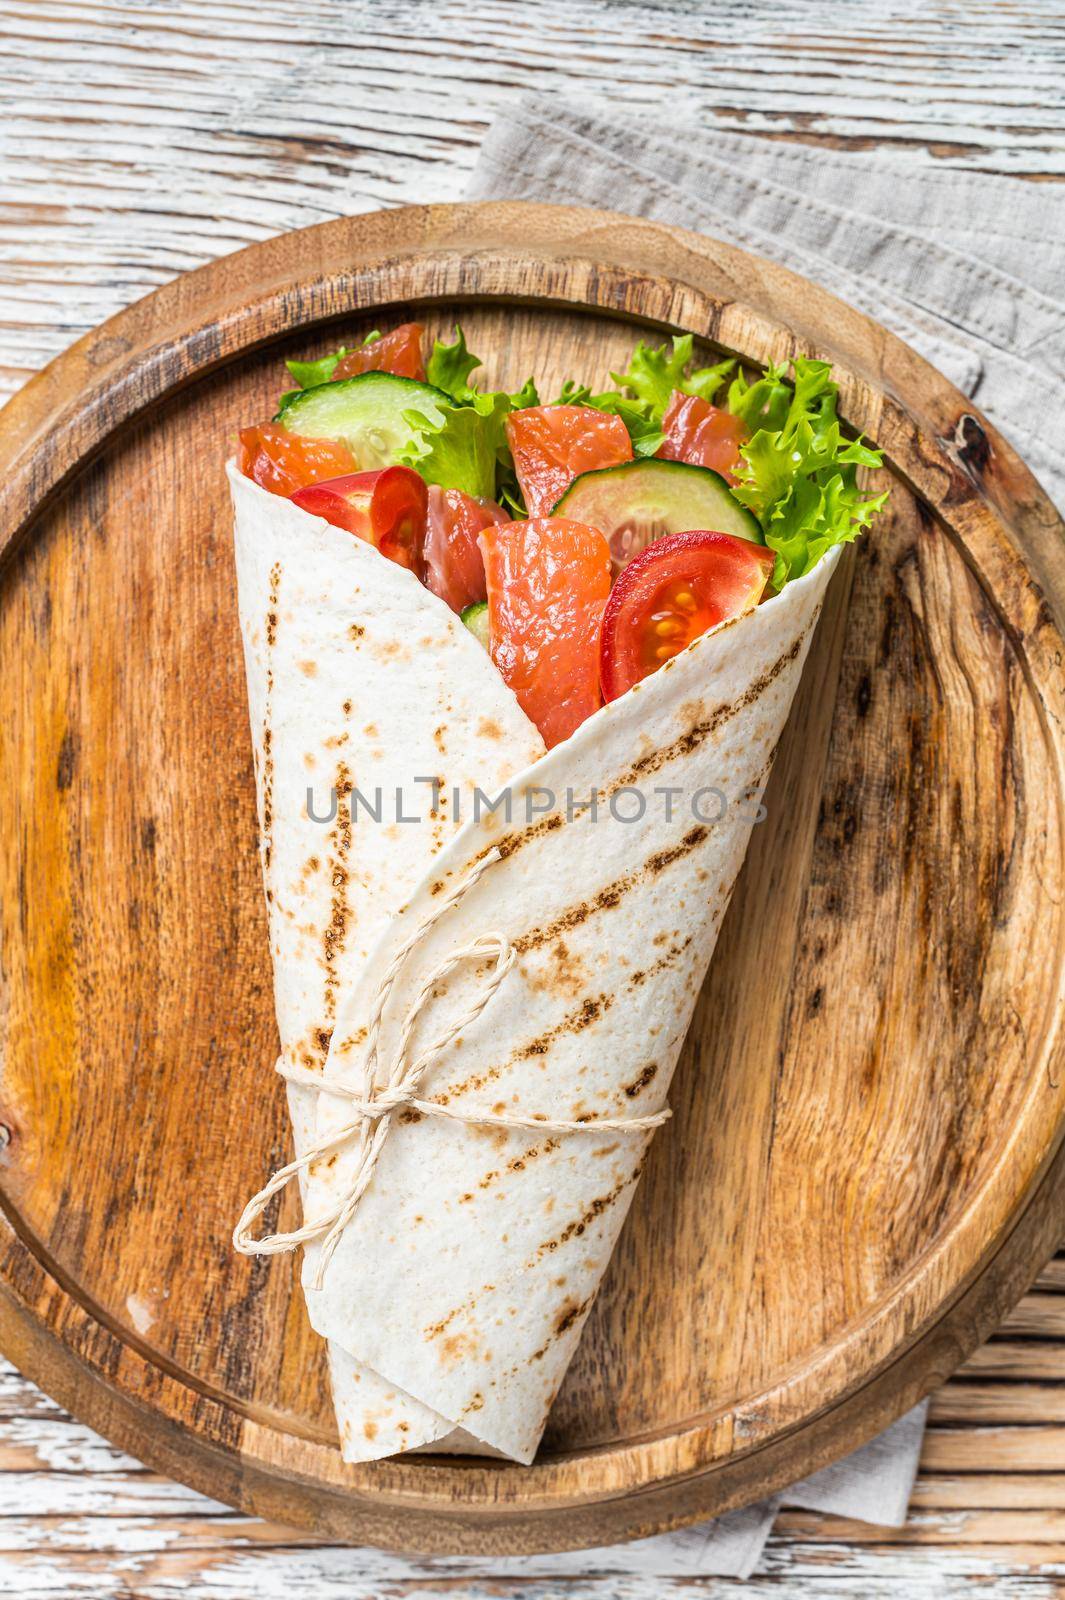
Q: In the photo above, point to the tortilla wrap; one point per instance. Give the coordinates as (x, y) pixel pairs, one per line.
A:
(457, 1292)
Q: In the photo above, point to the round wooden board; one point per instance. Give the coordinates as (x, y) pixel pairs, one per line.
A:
(864, 1170)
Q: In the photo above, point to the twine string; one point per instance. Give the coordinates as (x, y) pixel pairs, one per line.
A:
(373, 1103)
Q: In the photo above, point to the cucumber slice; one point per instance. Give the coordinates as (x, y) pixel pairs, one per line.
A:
(638, 502)
(366, 412)
(476, 619)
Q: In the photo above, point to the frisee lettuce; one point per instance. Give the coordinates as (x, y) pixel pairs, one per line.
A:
(449, 368)
(654, 374)
(652, 378)
(468, 448)
(450, 365)
(798, 473)
(458, 452)
(309, 373)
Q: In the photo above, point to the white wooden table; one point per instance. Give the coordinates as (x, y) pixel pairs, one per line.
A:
(140, 139)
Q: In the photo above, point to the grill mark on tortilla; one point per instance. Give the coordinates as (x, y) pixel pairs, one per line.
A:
(573, 1229)
(271, 615)
(640, 1082)
(312, 1050)
(459, 1347)
(579, 1225)
(569, 1313)
(511, 843)
(575, 1021)
(655, 760)
(354, 1039)
(335, 933)
(517, 1164)
(567, 978)
(673, 954)
(704, 729)
(268, 735)
(610, 897)
(435, 1329)
(268, 794)
(588, 1012)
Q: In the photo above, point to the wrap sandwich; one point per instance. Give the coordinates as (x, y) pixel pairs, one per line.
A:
(511, 725)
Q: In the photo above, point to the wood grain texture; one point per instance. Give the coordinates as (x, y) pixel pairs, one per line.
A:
(863, 1172)
(125, 160)
(78, 1517)
(168, 135)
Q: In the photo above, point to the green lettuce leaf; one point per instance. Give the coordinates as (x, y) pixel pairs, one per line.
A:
(469, 449)
(309, 373)
(458, 452)
(507, 488)
(653, 374)
(525, 396)
(798, 473)
(450, 365)
(449, 368)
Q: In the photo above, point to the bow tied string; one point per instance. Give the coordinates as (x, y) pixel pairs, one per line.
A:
(374, 1102)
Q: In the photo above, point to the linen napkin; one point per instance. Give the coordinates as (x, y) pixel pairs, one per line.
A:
(968, 269)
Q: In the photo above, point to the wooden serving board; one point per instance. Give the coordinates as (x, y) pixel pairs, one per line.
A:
(864, 1169)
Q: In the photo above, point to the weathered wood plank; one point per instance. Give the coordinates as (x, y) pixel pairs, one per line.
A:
(1020, 1358)
(149, 141)
(1052, 1277)
(1038, 1316)
(76, 1532)
(138, 141)
(985, 1402)
(57, 1444)
(1023, 1491)
(1028, 1448)
(831, 1572)
(952, 1528)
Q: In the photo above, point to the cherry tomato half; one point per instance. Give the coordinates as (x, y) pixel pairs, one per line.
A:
(552, 445)
(284, 462)
(548, 580)
(398, 352)
(674, 591)
(702, 435)
(386, 508)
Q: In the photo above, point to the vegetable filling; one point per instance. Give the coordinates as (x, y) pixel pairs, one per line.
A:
(585, 540)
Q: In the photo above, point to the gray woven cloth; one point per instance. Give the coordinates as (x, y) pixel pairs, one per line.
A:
(968, 269)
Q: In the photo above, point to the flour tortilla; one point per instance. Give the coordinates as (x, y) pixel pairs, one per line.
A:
(341, 653)
(458, 1292)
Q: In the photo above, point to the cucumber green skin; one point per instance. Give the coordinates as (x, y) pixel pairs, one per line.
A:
(476, 619)
(365, 412)
(673, 496)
